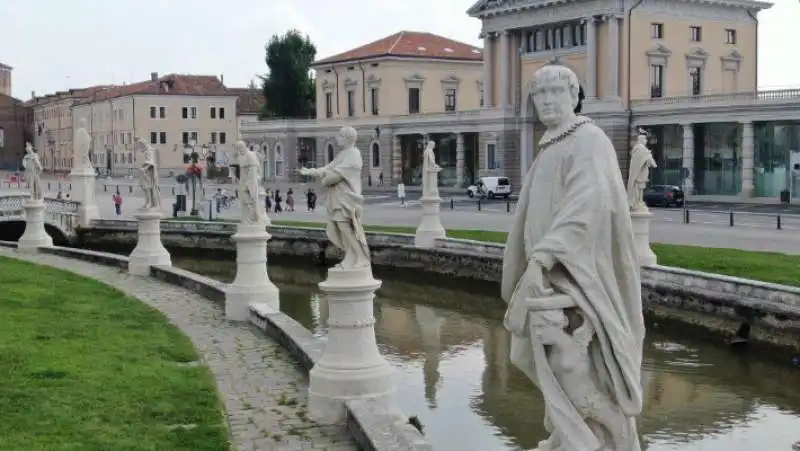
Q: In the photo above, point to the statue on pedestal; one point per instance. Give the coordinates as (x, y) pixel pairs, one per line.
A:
(572, 281)
(639, 174)
(82, 142)
(430, 172)
(341, 179)
(148, 176)
(249, 185)
(33, 172)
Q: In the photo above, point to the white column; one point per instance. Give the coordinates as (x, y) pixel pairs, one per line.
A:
(35, 236)
(488, 71)
(688, 159)
(459, 159)
(505, 70)
(591, 50)
(614, 58)
(748, 154)
(149, 250)
(251, 284)
(83, 191)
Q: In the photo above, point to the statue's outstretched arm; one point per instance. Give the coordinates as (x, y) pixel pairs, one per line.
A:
(331, 178)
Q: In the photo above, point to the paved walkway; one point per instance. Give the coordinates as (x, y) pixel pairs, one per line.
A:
(265, 394)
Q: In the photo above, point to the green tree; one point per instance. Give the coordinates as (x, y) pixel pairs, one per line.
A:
(288, 87)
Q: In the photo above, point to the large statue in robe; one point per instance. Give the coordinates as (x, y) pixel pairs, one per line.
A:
(341, 180)
(430, 172)
(571, 279)
(148, 176)
(641, 163)
(33, 172)
(82, 142)
(253, 212)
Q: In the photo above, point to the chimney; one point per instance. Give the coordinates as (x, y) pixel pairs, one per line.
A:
(33, 94)
(222, 79)
(153, 76)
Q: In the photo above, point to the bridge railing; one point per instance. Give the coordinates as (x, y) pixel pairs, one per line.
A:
(59, 212)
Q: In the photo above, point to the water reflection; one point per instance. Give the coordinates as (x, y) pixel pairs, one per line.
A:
(451, 351)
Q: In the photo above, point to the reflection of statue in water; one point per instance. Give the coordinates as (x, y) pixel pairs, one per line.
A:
(33, 172)
(430, 325)
(148, 176)
(430, 172)
(641, 163)
(571, 279)
(341, 179)
(249, 185)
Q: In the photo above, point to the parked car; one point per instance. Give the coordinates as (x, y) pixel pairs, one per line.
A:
(663, 196)
(490, 187)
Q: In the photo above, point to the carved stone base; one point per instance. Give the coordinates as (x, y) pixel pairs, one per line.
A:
(83, 190)
(252, 284)
(641, 235)
(430, 229)
(35, 236)
(351, 367)
(149, 250)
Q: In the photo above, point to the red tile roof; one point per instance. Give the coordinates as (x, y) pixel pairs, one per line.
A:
(173, 84)
(78, 93)
(250, 100)
(410, 44)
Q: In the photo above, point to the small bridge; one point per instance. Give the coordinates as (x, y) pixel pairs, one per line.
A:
(60, 215)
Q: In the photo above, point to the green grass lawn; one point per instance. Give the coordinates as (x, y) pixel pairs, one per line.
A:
(83, 367)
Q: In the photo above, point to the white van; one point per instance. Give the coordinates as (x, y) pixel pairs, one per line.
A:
(492, 187)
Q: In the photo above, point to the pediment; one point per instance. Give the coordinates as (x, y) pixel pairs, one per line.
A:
(350, 81)
(416, 76)
(697, 53)
(372, 78)
(452, 79)
(327, 84)
(733, 55)
(659, 50)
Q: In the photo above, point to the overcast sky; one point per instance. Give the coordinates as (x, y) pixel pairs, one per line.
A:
(59, 44)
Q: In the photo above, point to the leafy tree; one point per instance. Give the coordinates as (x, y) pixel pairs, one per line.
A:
(288, 87)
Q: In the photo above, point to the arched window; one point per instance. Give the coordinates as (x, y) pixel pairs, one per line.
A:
(330, 153)
(376, 155)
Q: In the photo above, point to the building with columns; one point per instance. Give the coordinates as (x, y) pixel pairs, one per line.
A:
(685, 71)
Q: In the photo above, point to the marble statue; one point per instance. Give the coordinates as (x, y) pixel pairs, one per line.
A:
(148, 176)
(571, 279)
(341, 179)
(249, 185)
(641, 163)
(33, 172)
(430, 172)
(82, 142)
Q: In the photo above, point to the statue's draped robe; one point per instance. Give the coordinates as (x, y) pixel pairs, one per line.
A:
(639, 167)
(250, 186)
(82, 143)
(573, 207)
(33, 175)
(148, 177)
(344, 202)
(430, 174)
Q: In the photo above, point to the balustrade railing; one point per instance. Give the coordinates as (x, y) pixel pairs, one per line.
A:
(61, 212)
(741, 98)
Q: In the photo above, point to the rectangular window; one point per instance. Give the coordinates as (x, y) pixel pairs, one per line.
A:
(193, 137)
(351, 103)
(657, 30)
(656, 81)
(162, 137)
(491, 157)
(185, 112)
(696, 34)
(450, 100)
(373, 94)
(193, 112)
(213, 137)
(413, 100)
(222, 113)
(162, 112)
(185, 137)
(121, 138)
(730, 36)
(153, 112)
(130, 138)
(153, 138)
(696, 80)
(223, 138)
(212, 113)
(328, 104)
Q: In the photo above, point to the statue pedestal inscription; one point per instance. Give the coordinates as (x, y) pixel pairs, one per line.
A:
(430, 229)
(351, 367)
(252, 282)
(35, 235)
(83, 180)
(149, 250)
(641, 233)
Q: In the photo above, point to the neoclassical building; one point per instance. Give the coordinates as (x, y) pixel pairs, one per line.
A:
(686, 71)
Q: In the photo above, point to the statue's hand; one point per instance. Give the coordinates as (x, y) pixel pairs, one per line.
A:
(533, 282)
(303, 171)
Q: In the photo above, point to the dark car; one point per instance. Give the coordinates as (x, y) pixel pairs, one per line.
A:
(663, 196)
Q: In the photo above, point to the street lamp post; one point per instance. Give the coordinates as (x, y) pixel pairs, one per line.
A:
(194, 173)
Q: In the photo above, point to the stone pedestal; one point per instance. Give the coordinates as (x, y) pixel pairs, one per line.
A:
(641, 236)
(149, 250)
(35, 235)
(351, 367)
(83, 191)
(252, 284)
(430, 229)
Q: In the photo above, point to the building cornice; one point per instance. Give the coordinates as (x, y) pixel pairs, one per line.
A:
(384, 58)
(486, 8)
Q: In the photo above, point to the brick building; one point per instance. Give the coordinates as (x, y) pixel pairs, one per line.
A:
(16, 123)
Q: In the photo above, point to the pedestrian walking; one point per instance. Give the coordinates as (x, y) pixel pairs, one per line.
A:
(117, 199)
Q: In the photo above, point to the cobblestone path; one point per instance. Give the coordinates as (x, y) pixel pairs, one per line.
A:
(264, 393)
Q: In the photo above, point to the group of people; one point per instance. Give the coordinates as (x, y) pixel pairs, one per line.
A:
(274, 202)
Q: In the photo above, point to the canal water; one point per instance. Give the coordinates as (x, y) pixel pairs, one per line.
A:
(447, 341)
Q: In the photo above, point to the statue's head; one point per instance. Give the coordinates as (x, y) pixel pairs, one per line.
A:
(82, 123)
(140, 145)
(641, 140)
(347, 137)
(556, 93)
(240, 147)
(431, 145)
(28, 147)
